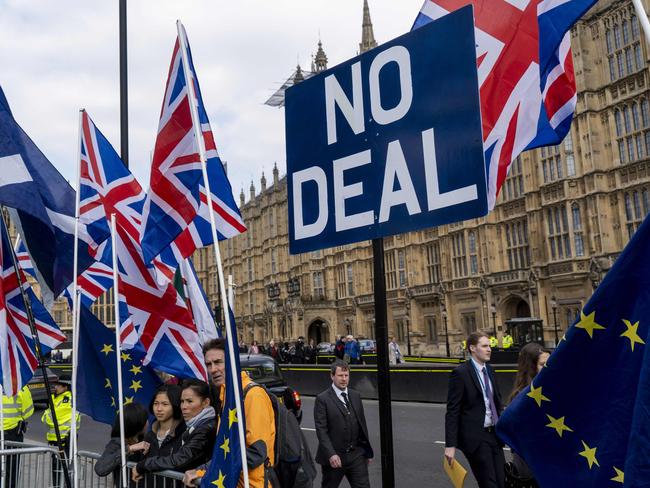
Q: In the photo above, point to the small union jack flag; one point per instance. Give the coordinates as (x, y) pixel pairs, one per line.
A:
(177, 208)
(525, 69)
(154, 313)
(18, 358)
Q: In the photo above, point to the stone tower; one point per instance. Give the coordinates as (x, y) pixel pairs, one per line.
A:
(368, 36)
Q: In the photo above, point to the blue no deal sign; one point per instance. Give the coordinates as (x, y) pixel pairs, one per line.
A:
(389, 141)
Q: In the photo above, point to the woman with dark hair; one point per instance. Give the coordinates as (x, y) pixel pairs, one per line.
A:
(197, 441)
(135, 423)
(532, 359)
(165, 436)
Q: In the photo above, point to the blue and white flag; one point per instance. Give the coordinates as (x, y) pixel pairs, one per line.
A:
(42, 206)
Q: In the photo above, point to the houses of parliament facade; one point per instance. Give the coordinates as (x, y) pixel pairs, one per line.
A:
(562, 217)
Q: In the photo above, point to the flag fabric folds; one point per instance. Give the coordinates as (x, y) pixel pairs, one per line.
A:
(226, 466)
(97, 390)
(18, 359)
(177, 207)
(152, 312)
(43, 207)
(526, 78)
(587, 414)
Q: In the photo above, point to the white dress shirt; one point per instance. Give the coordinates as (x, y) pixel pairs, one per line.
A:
(479, 372)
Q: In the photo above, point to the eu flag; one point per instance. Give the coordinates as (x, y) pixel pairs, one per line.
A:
(585, 420)
(97, 392)
(226, 466)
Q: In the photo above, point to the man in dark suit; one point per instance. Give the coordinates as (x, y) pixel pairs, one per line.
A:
(473, 408)
(343, 445)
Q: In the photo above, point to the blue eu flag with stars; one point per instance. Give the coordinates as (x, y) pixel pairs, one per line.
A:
(97, 392)
(226, 466)
(585, 420)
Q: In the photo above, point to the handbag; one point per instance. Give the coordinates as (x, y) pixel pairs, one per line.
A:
(514, 480)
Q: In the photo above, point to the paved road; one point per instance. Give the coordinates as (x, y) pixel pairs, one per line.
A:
(418, 441)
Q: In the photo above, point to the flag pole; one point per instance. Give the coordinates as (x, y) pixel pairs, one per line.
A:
(2, 436)
(643, 18)
(39, 354)
(75, 312)
(118, 351)
(198, 133)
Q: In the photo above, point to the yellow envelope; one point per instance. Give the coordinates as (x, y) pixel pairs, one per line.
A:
(456, 472)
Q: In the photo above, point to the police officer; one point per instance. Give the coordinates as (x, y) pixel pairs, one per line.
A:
(507, 341)
(16, 410)
(62, 401)
(494, 342)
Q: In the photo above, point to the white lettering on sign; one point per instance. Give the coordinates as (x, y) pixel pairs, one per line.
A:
(343, 192)
(401, 56)
(396, 169)
(352, 111)
(316, 175)
(435, 199)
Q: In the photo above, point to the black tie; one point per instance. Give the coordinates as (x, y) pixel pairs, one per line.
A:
(345, 400)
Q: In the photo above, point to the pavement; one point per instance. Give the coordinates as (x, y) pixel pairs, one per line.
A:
(418, 436)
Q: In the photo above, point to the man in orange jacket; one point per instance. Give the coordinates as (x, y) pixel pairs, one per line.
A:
(258, 411)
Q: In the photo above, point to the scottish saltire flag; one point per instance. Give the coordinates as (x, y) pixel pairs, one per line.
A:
(585, 420)
(226, 466)
(97, 388)
(525, 69)
(177, 207)
(42, 206)
(154, 313)
(18, 358)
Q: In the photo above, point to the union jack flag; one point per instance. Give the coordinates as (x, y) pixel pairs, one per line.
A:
(18, 358)
(525, 71)
(177, 207)
(154, 313)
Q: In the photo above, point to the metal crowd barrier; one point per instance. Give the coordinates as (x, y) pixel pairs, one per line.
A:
(37, 466)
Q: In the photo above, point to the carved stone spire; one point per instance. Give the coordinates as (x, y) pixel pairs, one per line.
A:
(320, 61)
(276, 174)
(242, 198)
(298, 77)
(252, 190)
(263, 182)
(368, 36)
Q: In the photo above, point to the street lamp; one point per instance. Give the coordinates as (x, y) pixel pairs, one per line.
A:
(493, 309)
(444, 319)
(554, 307)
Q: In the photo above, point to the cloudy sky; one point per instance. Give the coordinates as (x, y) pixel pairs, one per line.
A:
(60, 56)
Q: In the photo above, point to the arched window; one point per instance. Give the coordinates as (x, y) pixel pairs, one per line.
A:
(635, 27)
(626, 32)
(617, 121)
(608, 40)
(645, 112)
(635, 116)
(617, 36)
(626, 119)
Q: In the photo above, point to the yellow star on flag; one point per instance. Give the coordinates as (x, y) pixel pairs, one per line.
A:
(125, 356)
(620, 476)
(136, 369)
(219, 482)
(558, 425)
(128, 400)
(112, 401)
(226, 447)
(107, 348)
(588, 323)
(631, 333)
(590, 455)
(108, 383)
(135, 385)
(536, 394)
(232, 417)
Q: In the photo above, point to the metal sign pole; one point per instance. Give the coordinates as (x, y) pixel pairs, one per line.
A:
(124, 88)
(383, 369)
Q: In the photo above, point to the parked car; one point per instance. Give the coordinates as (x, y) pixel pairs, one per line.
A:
(264, 370)
(368, 346)
(37, 384)
(325, 348)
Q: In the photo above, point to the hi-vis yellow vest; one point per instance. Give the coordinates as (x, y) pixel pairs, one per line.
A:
(16, 409)
(63, 410)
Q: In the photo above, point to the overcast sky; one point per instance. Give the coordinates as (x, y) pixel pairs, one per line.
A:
(60, 56)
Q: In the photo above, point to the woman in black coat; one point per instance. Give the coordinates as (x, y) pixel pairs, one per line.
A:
(196, 441)
(135, 423)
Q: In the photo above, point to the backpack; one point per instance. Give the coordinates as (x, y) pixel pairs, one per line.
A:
(293, 463)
